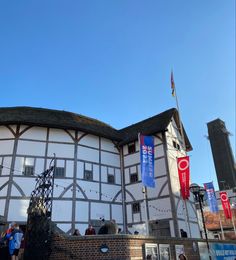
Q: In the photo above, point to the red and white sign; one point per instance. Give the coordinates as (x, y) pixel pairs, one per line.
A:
(183, 170)
(226, 204)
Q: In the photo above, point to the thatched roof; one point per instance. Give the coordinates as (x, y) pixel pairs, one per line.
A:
(67, 120)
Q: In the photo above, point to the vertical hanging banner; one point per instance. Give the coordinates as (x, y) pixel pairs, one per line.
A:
(226, 204)
(183, 170)
(211, 197)
(147, 160)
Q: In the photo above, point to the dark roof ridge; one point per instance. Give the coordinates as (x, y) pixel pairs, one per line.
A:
(171, 110)
(60, 111)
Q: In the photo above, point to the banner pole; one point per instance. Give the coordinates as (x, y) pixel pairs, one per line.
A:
(144, 190)
(221, 227)
(184, 148)
(233, 221)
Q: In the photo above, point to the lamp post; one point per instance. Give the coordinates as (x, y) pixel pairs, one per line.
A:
(199, 193)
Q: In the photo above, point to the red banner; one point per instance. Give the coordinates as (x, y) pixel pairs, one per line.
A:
(226, 204)
(183, 170)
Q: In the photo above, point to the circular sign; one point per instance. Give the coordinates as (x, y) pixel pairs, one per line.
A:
(183, 164)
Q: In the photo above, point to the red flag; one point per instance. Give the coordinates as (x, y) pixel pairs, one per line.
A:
(172, 84)
(183, 170)
(226, 204)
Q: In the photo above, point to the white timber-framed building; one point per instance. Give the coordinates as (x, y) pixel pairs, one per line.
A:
(97, 171)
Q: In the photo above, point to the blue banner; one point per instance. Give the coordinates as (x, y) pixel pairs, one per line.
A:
(147, 160)
(223, 251)
(211, 197)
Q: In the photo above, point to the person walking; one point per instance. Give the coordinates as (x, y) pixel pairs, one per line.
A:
(15, 238)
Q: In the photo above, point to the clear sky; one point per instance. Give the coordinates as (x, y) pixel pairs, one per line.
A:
(111, 60)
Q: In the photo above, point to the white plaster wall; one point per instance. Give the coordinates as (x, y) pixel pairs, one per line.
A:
(117, 214)
(195, 230)
(39, 166)
(69, 168)
(158, 151)
(159, 184)
(88, 154)
(98, 209)
(96, 172)
(110, 159)
(36, 133)
(131, 159)
(160, 167)
(3, 191)
(26, 184)
(109, 191)
(61, 210)
(90, 140)
(81, 211)
(5, 133)
(137, 217)
(157, 140)
(6, 147)
(91, 189)
(31, 148)
(118, 176)
(64, 227)
(2, 206)
(18, 210)
(19, 163)
(127, 176)
(80, 170)
(15, 191)
(172, 229)
(104, 173)
(59, 186)
(61, 150)
(58, 135)
(160, 209)
(135, 190)
(6, 163)
(129, 213)
(108, 145)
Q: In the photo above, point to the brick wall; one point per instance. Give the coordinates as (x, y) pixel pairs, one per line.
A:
(121, 247)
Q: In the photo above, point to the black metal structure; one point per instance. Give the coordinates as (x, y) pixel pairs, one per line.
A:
(38, 229)
(199, 193)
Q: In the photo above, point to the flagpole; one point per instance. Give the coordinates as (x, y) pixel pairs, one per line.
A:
(174, 93)
(144, 190)
(221, 227)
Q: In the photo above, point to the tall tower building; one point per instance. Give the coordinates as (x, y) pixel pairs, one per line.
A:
(222, 154)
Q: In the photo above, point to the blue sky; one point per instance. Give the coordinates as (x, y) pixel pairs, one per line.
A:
(111, 60)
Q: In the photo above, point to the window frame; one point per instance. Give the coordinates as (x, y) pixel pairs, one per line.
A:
(90, 173)
(59, 168)
(136, 209)
(131, 148)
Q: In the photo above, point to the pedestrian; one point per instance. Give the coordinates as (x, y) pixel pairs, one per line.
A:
(76, 233)
(182, 257)
(14, 238)
(90, 230)
(183, 233)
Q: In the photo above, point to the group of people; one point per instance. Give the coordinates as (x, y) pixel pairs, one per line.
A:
(89, 231)
(13, 238)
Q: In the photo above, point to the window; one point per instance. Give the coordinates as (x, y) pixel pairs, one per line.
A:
(136, 208)
(1, 167)
(110, 178)
(59, 172)
(133, 177)
(176, 146)
(28, 170)
(88, 175)
(131, 148)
